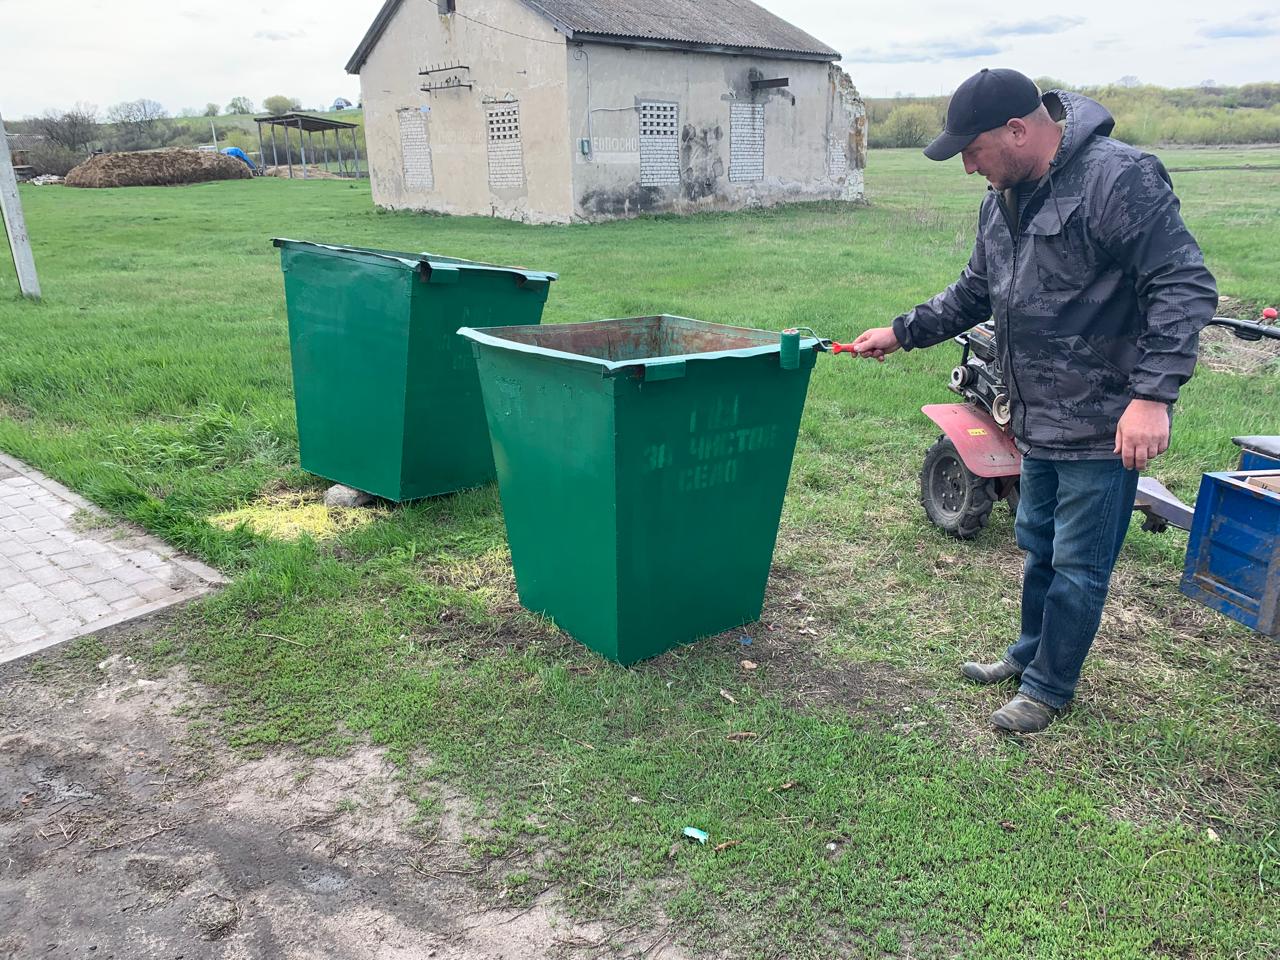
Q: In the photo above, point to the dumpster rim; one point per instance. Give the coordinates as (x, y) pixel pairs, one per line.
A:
(414, 260)
(611, 367)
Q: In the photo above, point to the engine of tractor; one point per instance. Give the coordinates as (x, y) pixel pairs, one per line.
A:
(978, 379)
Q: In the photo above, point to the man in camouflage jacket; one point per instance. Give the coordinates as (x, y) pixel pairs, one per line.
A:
(1099, 293)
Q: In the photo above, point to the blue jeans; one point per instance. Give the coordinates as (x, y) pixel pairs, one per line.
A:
(1072, 519)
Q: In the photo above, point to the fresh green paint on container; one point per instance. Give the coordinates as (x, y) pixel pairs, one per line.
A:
(642, 465)
(387, 396)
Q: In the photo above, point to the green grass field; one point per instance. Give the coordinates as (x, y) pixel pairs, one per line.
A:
(877, 813)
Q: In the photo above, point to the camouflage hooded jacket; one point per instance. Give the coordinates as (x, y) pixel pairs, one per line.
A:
(1098, 295)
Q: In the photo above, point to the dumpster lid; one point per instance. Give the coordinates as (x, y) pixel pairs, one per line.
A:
(415, 260)
(649, 343)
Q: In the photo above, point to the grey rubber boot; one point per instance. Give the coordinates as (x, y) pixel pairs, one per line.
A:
(985, 673)
(1024, 715)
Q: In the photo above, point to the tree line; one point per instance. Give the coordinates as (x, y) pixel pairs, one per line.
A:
(1145, 114)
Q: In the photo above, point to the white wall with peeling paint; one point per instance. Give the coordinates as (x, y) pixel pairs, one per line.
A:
(524, 62)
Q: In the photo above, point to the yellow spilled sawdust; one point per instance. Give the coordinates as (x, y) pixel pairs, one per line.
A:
(291, 516)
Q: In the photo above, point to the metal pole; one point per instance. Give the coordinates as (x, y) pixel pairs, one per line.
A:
(324, 142)
(337, 140)
(302, 145)
(288, 151)
(214, 131)
(262, 154)
(355, 148)
(14, 224)
(275, 154)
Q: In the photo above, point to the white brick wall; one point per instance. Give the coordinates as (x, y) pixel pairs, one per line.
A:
(415, 150)
(506, 154)
(659, 144)
(837, 158)
(746, 141)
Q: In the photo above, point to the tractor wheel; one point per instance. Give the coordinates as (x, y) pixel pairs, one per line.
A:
(955, 500)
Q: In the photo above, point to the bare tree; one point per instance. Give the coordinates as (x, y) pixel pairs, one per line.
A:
(142, 115)
(240, 105)
(212, 109)
(72, 129)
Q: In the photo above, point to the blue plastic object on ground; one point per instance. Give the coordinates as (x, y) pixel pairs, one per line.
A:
(239, 155)
(1233, 557)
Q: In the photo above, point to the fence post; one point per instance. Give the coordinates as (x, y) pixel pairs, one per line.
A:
(14, 224)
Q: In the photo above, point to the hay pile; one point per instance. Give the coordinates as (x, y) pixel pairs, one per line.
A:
(156, 168)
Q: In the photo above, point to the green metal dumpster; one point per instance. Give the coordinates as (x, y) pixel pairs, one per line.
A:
(642, 465)
(386, 393)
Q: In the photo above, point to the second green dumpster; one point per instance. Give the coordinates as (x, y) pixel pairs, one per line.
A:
(642, 465)
(386, 394)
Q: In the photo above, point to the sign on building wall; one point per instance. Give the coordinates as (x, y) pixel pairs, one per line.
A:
(746, 141)
(659, 144)
(415, 150)
(506, 154)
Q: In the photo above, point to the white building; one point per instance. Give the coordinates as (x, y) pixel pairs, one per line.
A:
(561, 110)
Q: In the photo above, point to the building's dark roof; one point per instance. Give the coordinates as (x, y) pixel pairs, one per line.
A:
(304, 121)
(24, 141)
(725, 26)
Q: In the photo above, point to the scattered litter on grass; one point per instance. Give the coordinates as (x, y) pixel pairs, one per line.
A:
(45, 180)
(749, 665)
(745, 640)
(693, 833)
(291, 516)
(728, 844)
(728, 696)
(156, 168)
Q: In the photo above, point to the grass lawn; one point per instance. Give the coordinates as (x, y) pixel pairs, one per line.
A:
(874, 812)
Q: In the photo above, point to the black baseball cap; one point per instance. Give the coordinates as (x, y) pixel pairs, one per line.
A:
(987, 100)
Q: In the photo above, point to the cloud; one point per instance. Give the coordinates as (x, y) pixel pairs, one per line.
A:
(1246, 28)
(1034, 28)
(928, 51)
(991, 40)
(278, 35)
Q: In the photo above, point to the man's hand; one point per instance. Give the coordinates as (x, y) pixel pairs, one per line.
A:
(876, 343)
(1143, 433)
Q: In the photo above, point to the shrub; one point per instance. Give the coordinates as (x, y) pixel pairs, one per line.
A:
(53, 158)
(913, 125)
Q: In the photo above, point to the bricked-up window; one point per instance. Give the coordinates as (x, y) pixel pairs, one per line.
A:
(506, 155)
(837, 158)
(746, 141)
(659, 144)
(415, 150)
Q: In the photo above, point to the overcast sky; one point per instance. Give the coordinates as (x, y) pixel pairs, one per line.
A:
(186, 54)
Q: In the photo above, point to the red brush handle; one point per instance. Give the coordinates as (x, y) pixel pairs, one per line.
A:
(842, 347)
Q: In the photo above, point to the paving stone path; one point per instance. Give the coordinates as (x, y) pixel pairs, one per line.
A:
(66, 569)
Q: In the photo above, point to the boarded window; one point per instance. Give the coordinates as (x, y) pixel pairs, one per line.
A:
(415, 150)
(659, 144)
(746, 141)
(506, 155)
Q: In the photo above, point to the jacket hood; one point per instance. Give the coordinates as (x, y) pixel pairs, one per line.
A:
(1084, 118)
